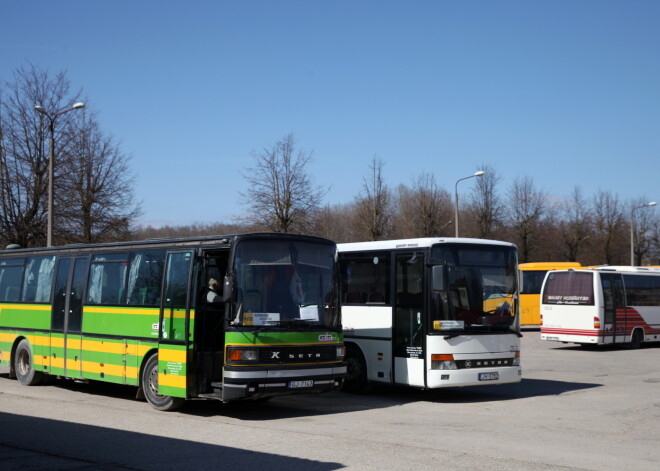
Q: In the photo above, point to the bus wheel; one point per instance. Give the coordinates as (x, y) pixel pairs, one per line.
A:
(150, 387)
(24, 365)
(356, 372)
(636, 339)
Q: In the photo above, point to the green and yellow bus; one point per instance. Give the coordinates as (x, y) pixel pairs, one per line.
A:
(143, 314)
(531, 280)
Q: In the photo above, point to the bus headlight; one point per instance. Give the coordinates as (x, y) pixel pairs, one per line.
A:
(242, 354)
(443, 362)
(341, 352)
(516, 359)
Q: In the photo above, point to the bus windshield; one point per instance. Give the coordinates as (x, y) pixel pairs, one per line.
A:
(480, 287)
(285, 283)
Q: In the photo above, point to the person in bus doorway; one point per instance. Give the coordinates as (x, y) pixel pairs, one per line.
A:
(212, 295)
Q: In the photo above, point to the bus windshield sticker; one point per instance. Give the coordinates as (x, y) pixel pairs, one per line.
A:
(310, 313)
(261, 318)
(448, 325)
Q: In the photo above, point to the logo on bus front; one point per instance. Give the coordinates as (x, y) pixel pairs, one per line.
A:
(326, 338)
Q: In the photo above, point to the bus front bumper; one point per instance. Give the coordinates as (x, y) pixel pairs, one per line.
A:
(258, 382)
(474, 377)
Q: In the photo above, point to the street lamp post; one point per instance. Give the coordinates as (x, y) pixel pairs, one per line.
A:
(51, 161)
(476, 174)
(632, 230)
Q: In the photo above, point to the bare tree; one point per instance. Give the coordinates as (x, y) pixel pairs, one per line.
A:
(609, 225)
(335, 223)
(373, 206)
(97, 187)
(83, 157)
(643, 226)
(425, 210)
(527, 207)
(282, 197)
(654, 253)
(24, 152)
(575, 225)
(485, 207)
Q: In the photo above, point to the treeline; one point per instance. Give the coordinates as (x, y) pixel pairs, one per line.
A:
(93, 197)
(592, 230)
(94, 193)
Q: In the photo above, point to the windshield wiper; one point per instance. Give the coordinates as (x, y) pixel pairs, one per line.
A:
(295, 322)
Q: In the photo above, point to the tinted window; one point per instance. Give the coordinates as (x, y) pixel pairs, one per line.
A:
(145, 275)
(365, 278)
(642, 290)
(570, 287)
(107, 279)
(38, 279)
(11, 274)
(532, 281)
(177, 280)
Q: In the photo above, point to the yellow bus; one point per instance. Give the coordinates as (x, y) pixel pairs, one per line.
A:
(531, 279)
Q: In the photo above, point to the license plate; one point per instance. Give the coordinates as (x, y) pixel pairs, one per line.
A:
(301, 384)
(489, 376)
(548, 337)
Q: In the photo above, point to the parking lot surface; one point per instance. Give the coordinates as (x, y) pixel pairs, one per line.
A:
(575, 409)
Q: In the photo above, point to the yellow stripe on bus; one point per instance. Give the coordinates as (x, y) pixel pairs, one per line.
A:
(173, 381)
(43, 340)
(121, 310)
(25, 307)
(178, 356)
(108, 369)
(176, 313)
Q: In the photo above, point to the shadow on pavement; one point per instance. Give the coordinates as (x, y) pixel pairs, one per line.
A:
(36, 443)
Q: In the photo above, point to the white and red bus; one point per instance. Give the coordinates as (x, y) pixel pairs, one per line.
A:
(602, 305)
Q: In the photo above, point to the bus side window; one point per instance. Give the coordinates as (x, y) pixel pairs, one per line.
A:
(365, 278)
(11, 275)
(145, 277)
(107, 279)
(38, 279)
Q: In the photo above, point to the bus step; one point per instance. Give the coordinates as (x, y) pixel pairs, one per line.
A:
(215, 395)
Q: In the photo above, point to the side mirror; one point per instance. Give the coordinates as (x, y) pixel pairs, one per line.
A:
(439, 278)
(228, 288)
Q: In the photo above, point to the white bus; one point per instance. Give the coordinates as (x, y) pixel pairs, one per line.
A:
(430, 313)
(601, 305)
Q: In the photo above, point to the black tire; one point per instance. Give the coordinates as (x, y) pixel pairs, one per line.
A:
(150, 388)
(24, 365)
(356, 372)
(636, 339)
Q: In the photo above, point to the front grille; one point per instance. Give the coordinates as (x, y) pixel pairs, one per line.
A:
(312, 354)
(466, 364)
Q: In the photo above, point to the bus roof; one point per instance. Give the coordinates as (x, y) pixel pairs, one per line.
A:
(617, 269)
(201, 241)
(415, 243)
(548, 265)
(627, 269)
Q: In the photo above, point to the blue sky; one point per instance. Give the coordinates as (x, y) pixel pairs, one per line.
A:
(565, 92)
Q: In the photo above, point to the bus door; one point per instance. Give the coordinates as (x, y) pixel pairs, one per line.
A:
(67, 314)
(175, 324)
(408, 332)
(614, 302)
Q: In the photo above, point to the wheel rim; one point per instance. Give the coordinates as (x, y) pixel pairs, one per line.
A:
(24, 362)
(153, 383)
(353, 369)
